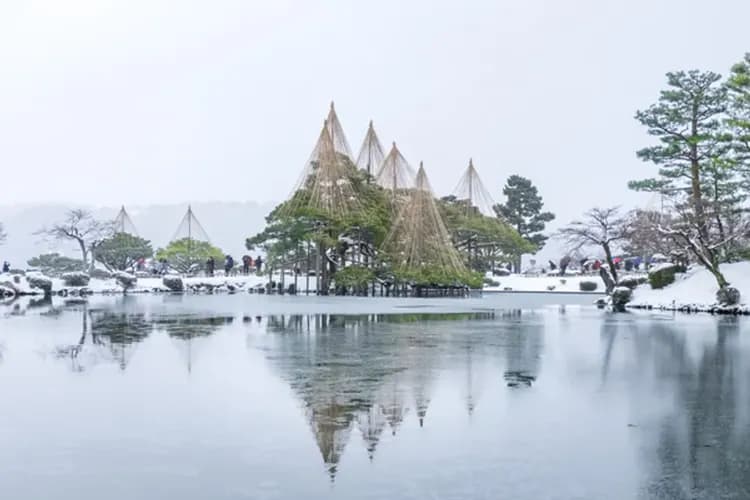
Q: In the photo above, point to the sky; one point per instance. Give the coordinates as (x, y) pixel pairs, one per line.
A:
(151, 101)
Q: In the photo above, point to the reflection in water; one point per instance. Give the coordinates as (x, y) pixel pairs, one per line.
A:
(108, 336)
(703, 447)
(373, 371)
(651, 406)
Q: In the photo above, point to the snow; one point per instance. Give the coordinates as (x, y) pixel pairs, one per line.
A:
(697, 287)
(521, 283)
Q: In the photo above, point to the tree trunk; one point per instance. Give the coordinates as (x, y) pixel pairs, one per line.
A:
(610, 261)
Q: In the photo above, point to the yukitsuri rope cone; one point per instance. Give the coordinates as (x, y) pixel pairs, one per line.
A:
(325, 185)
(471, 192)
(338, 138)
(190, 228)
(371, 153)
(124, 224)
(419, 238)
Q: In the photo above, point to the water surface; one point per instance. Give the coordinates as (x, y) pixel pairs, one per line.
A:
(244, 396)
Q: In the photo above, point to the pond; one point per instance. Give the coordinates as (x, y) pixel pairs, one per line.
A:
(523, 396)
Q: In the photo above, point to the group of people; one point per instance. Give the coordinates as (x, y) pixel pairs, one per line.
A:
(247, 264)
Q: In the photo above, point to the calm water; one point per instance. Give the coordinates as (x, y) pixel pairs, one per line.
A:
(244, 396)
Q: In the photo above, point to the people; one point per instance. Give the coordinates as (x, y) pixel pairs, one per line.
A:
(247, 263)
(210, 266)
(228, 265)
(258, 264)
(6, 266)
(163, 266)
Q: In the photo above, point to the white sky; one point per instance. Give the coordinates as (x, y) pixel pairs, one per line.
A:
(142, 101)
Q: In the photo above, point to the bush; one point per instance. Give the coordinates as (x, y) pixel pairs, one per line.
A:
(663, 275)
(588, 286)
(76, 279)
(630, 283)
(174, 283)
(100, 274)
(125, 280)
(54, 264)
(40, 282)
(491, 282)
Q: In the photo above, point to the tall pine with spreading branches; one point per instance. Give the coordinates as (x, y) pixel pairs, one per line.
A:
(523, 210)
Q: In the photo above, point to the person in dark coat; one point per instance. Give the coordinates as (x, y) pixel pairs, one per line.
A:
(6, 267)
(210, 266)
(228, 265)
(258, 264)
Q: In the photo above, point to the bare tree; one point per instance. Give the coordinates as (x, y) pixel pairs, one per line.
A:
(602, 227)
(80, 226)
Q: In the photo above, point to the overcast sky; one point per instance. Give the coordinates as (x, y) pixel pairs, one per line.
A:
(147, 101)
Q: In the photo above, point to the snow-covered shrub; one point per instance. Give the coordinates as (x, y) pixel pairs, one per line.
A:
(630, 282)
(125, 280)
(19, 272)
(173, 282)
(491, 282)
(621, 296)
(76, 278)
(40, 282)
(728, 296)
(100, 274)
(662, 275)
(588, 286)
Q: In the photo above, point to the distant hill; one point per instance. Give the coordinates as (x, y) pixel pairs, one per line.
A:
(227, 225)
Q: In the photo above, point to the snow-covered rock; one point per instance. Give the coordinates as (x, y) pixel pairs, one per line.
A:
(38, 281)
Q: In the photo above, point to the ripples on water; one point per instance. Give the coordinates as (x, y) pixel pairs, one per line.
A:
(172, 397)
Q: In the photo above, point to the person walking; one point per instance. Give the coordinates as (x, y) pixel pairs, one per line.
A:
(6, 266)
(247, 262)
(210, 266)
(258, 264)
(228, 265)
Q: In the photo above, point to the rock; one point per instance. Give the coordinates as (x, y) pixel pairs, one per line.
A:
(621, 295)
(125, 280)
(40, 282)
(7, 289)
(551, 287)
(588, 286)
(728, 296)
(76, 278)
(173, 282)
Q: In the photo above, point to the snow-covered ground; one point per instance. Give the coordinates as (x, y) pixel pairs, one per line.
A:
(695, 289)
(521, 283)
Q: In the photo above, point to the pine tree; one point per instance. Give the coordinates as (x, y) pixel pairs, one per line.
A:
(523, 211)
(696, 171)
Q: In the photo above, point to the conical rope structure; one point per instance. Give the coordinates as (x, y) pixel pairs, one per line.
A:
(190, 228)
(397, 176)
(371, 153)
(338, 138)
(419, 238)
(471, 192)
(326, 182)
(124, 224)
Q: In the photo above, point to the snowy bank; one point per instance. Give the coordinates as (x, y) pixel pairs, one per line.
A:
(521, 283)
(695, 290)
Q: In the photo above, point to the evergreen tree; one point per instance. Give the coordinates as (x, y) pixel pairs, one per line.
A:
(187, 255)
(523, 212)
(696, 173)
(122, 250)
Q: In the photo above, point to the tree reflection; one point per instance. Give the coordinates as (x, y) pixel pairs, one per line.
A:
(703, 448)
(374, 371)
